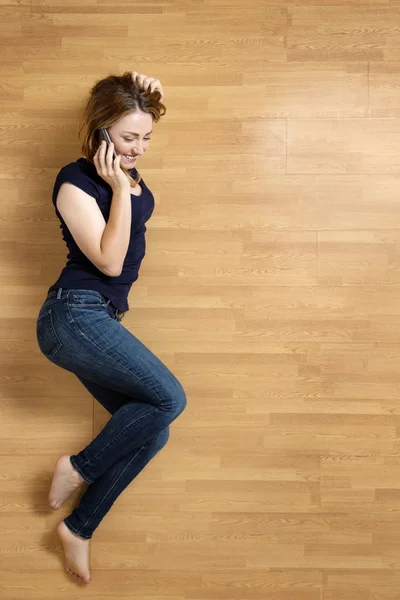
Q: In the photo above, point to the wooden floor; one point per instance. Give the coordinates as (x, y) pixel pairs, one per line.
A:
(271, 288)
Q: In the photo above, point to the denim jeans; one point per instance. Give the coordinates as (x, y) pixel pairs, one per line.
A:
(80, 331)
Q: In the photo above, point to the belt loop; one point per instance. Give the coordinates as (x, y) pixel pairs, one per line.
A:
(59, 293)
(108, 302)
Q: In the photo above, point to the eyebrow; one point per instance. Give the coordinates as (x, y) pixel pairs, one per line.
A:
(132, 133)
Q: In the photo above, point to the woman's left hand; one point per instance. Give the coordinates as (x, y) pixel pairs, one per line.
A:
(147, 82)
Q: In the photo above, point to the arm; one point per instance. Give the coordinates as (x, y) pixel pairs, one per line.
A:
(105, 245)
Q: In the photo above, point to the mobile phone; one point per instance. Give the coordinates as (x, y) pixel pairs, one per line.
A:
(103, 135)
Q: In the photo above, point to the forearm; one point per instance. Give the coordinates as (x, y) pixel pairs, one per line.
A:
(115, 240)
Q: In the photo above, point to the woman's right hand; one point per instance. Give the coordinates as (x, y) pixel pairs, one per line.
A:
(109, 169)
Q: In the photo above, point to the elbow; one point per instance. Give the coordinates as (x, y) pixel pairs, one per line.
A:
(113, 272)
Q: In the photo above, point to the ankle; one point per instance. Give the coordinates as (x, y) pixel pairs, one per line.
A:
(76, 473)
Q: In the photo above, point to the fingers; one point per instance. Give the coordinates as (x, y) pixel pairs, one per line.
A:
(147, 82)
(109, 158)
(156, 85)
(140, 79)
(106, 166)
(96, 159)
(103, 159)
(99, 156)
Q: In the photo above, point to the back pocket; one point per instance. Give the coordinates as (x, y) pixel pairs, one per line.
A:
(48, 340)
(86, 300)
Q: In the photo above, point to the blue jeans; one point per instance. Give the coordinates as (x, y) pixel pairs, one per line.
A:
(80, 331)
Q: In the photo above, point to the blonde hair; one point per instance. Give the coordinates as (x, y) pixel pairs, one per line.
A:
(111, 99)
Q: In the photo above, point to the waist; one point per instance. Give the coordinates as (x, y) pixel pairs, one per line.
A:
(120, 314)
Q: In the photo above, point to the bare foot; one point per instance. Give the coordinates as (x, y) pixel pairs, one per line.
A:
(76, 551)
(65, 481)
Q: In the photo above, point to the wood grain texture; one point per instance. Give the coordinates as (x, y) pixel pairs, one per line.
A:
(270, 288)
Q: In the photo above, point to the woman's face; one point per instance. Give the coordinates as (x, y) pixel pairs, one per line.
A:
(131, 137)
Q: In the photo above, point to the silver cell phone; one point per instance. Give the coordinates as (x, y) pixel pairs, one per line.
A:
(103, 134)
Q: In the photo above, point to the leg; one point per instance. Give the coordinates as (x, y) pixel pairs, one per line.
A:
(76, 530)
(97, 501)
(108, 398)
(129, 428)
(129, 451)
(101, 495)
(77, 333)
(66, 479)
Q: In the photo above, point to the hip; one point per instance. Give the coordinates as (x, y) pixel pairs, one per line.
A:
(69, 318)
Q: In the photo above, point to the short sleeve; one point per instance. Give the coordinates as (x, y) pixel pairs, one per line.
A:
(80, 177)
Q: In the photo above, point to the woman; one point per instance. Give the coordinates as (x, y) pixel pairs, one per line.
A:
(103, 205)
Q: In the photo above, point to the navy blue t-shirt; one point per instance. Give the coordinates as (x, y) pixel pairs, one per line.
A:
(80, 272)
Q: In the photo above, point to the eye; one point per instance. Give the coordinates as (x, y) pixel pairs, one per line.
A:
(145, 139)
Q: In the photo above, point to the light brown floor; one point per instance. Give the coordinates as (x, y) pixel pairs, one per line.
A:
(271, 288)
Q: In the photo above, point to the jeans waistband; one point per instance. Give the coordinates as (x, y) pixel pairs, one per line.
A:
(60, 291)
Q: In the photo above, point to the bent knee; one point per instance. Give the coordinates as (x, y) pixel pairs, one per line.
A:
(177, 399)
(181, 400)
(162, 438)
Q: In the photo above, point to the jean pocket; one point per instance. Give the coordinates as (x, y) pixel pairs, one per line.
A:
(86, 300)
(47, 338)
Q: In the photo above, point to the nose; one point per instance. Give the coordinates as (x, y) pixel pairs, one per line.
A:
(138, 150)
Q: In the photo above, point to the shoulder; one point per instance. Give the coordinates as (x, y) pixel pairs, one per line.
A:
(80, 173)
(79, 168)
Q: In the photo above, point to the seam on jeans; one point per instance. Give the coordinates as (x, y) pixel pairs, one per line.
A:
(152, 391)
(49, 313)
(78, 468)
(77, 531)
(113, 486)
(118, 434)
